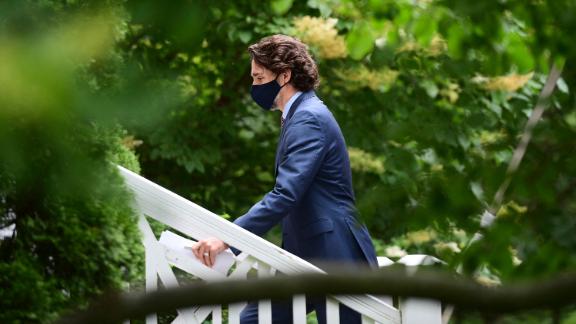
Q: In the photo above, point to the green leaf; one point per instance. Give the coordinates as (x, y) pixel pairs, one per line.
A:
(425, 28)
(477, 190)
(245, 36)
(455, 39)
(562, 86)
(520, 53)
(323, 6)
(571, 119)
(264, 176)
(360, 42)
(281, 7)
(430, 87)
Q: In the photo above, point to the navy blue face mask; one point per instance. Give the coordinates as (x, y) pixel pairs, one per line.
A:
(264, 94)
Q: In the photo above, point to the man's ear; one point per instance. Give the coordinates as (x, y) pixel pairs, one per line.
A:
(287, 75)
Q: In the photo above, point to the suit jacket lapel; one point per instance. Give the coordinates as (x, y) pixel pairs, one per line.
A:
(303, 97)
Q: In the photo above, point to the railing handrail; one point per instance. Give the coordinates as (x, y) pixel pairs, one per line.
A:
(195, 221)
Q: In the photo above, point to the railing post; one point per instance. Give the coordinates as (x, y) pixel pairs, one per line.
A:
(384, 262)
(420, 310)
(264, 306)
(299, 309)
(150, 272)
(332, 311)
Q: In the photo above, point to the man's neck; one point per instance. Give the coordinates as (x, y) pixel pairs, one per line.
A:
(283, 98)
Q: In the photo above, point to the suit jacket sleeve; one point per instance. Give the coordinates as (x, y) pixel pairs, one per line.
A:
(305, 150)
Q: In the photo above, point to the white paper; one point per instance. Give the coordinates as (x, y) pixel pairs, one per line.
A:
(182, 245)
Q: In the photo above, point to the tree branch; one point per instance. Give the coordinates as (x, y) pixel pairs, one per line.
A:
(541, 104)
(464, 293)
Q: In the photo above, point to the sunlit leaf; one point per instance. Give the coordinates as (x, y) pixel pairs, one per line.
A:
(281, 7)
(360, 41)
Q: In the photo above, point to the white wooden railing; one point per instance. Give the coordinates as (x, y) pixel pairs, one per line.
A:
(197, 223)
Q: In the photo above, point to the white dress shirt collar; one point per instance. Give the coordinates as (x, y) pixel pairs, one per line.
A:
(289, 104)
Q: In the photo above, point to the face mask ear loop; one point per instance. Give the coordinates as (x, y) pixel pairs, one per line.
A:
(282, 86)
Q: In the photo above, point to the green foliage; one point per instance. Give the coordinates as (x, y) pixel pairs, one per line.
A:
(71, 233)
(432, 97)
(75, 230)
(360, 41)
(280, 7)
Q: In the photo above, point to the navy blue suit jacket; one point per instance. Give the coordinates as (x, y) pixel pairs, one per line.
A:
(313, 195)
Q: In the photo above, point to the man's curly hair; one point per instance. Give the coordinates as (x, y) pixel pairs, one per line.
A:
(279, 53)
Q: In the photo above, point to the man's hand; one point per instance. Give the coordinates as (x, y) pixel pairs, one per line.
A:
(207, 250)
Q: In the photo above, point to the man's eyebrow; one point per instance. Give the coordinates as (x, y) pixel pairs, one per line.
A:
(256, 73)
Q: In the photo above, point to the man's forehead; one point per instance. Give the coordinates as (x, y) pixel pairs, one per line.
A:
(257, 69)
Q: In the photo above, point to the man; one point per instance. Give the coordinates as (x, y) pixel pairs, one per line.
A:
(313, 196)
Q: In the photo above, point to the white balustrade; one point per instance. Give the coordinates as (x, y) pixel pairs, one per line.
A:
(151, 200)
